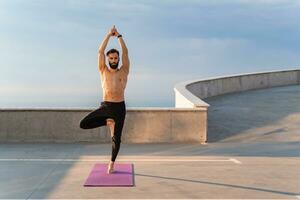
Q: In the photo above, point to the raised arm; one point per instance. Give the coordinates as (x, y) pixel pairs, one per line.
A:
(101, 54)
(125, 58)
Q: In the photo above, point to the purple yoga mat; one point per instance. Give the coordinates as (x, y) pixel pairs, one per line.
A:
(122, 175)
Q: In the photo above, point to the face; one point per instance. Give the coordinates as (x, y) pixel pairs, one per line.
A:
(113, 60)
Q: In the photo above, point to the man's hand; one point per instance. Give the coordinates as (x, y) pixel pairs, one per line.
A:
(110, 32)
(113, 31)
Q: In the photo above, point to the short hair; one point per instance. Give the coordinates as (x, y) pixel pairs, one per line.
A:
(112, 51)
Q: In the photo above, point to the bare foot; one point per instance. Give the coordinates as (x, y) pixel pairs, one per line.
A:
(110, 168)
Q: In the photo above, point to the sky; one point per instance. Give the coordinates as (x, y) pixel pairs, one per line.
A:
(49, 48)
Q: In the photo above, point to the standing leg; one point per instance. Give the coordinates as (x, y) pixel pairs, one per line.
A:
(116, 143)
(111, 125)
(116, 139)
(115, 123)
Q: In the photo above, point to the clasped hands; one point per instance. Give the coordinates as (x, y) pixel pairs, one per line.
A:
(113, 32)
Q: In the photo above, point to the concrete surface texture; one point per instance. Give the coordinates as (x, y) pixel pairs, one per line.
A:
(253, 153)
(192, 92)
(142, 125)
(264, 115)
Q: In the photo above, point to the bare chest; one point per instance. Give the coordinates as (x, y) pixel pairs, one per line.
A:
(114, 79)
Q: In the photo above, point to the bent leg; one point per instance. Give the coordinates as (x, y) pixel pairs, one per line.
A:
(95, 119)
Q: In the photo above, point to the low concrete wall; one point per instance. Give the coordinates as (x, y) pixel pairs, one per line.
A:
(190, 94)
(243, 82)
(187, 122)
(142, 125)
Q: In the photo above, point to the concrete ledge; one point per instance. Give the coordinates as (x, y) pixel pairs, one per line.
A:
(142, 125)
(189, 94)
(187, 122)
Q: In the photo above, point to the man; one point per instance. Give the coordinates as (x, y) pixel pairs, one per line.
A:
(112, 110)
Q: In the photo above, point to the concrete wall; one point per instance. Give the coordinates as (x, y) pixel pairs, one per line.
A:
(190, 94)
(142, 125)
(238, 83)
(187, 122)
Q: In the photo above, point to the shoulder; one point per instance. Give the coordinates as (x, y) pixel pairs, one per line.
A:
(124, 70)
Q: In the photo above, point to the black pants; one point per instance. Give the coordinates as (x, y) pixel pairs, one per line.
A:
(97, 118)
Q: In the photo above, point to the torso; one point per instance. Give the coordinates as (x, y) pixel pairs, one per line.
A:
(113, 85)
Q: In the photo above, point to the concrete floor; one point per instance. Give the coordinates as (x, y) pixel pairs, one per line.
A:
(253, 153)
(258, 115)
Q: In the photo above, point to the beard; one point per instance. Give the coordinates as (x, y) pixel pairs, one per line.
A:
(114, 65)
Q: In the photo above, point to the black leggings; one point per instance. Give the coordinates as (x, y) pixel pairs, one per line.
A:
(97, 118)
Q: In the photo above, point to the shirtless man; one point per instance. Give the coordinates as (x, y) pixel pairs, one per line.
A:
(113, 109)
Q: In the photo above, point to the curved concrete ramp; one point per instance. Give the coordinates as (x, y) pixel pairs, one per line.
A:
(259, 115)
(233, 120)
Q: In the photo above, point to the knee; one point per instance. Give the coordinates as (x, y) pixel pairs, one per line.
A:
(82, 125)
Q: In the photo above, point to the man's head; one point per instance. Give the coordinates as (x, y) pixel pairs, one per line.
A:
(113, 58)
